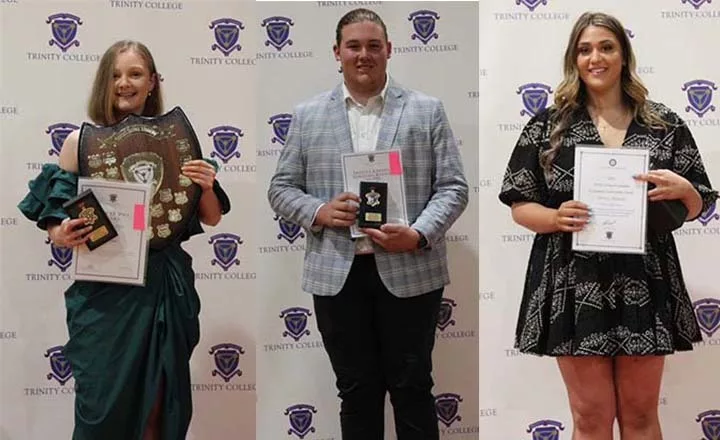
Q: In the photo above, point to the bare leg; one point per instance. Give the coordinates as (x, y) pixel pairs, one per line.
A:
(591, 392)
(152, 429)
(637, 382)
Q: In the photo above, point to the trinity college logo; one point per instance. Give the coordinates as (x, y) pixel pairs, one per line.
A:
(60, 369)
(227, 360)
(531, 4)
(277, 30)
(300, 417)
(545, 430)
(64, 29)
(534, 97)
(225, 142)
(699, 94)
(289, 231)
(280, 124)
(447, 406)
(707, 312)
(424, 25)
(445, 314)
(709, 215)
(697, 3)
(58, 133)
(296, 320)
(710, 423)
(225, 247)
(227, 34)
(60, 257)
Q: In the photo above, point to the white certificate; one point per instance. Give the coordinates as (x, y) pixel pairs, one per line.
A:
(377, 166)
(618, 203)
(124, 258)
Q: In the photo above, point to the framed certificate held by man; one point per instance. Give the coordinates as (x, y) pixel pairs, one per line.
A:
(618, 203)
(377, 178)
(122, 259)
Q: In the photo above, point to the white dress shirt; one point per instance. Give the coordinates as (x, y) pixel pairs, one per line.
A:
(364, 128)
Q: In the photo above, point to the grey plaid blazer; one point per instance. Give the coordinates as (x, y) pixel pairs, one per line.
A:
(309, 173)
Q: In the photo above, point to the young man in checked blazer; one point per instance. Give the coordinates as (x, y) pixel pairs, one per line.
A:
(377, 298)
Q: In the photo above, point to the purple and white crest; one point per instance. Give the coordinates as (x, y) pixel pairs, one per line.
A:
(300, 417)
(710, 423)
(445, 314)
(280, 124)
(545, 430)
(60, 368)
(699, 95)
(697, 3)
(531, 4)
(58, 133)
(629, 33)
(424, 25)
(278, 32)
(61, 257)
(709, 215)
(707, 312)
(295, 319)
(64, 29)
(534, 98)
(289, 231)
(447, 406)
(225, 142)
(227, 34)
(227, 360)
(225, 247)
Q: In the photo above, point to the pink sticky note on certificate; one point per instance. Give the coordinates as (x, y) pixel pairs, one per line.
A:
(395, 167)
(139, 217)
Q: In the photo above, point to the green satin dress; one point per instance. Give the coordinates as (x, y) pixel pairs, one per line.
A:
(125, 339)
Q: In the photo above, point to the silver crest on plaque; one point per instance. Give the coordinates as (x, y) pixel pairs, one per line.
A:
(144, 167)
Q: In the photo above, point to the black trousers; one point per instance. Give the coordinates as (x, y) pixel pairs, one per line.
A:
(379, 343)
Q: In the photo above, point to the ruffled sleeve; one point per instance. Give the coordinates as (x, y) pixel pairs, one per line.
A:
(48, 191)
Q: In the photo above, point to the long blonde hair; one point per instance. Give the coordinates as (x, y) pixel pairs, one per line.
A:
(571, 94)
(100, 105)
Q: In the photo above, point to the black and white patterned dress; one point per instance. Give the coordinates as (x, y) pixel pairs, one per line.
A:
(587, 303)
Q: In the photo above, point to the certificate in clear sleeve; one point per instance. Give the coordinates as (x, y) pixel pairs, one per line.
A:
(122, 260)
(604, 181)
(377, 166)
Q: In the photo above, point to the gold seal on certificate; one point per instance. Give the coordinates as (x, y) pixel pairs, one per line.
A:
(604, 182)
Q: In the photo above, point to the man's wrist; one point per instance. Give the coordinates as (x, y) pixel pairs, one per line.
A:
(422, 242)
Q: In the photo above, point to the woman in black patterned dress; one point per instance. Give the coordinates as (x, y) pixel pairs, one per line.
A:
(608, 318)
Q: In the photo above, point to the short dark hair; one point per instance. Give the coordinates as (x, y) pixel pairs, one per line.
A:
(357, 16)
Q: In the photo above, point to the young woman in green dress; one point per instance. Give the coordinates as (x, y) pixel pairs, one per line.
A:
(129, 346)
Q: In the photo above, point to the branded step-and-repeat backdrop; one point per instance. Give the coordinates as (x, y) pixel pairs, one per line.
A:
(237, 69)
(521, 48)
